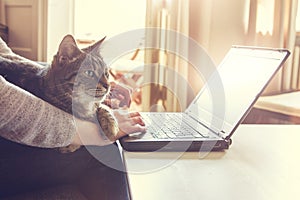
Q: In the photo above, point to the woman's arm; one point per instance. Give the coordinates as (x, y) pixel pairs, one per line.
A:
(29, 120)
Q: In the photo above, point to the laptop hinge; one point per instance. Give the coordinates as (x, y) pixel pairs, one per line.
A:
(227, 138)
(222, 134)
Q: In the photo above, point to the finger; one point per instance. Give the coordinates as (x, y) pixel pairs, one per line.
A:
(133, 129)
(120, 97)
(121, 88)
(138, 128)
(137, 120)
(134, 114)
(123, 112)
(107, 102)
(132, 118)
(112, 103)
(125, 100)
(125, 89)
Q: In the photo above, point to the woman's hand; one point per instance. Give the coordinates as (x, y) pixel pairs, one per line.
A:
(119, 96)
(129, 122)
(88, 133)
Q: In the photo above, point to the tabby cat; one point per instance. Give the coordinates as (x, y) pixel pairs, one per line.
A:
(76, 82)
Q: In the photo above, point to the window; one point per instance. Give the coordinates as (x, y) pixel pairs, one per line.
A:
(265, 17)
(98, 18)
(298, 18)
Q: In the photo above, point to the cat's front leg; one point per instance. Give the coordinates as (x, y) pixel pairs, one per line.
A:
(107, 121)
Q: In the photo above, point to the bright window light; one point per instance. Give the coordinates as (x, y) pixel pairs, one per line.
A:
(265, 17)
(98, 18)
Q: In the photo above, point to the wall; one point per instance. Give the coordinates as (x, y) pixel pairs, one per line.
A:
(60, 23)
(218, 24)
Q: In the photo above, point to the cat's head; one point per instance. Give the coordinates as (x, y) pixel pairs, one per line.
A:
(80, 72)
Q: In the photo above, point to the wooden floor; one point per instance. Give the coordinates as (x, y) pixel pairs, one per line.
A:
(258, 116)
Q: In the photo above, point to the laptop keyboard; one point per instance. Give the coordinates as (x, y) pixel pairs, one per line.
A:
(172, 125)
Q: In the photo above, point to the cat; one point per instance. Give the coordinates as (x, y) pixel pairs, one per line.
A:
(77, 81)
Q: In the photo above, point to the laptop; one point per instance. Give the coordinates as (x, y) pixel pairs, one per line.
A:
(212, 117)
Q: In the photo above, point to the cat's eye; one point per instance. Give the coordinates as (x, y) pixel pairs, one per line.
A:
(90, 73)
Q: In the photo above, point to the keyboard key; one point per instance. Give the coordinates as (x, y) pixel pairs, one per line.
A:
(174, 125)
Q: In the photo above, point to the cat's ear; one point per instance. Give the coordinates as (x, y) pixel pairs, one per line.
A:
(68, 49)
(94, 48)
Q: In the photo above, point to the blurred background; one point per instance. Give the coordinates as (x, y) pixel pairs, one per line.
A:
(34, 29)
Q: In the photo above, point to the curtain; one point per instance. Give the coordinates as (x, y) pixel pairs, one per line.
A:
(272, 23)
(165, 72)
(217, 25)
(2, 13)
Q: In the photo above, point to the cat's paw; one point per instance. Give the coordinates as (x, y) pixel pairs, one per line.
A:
(69, 149)
(107, 122)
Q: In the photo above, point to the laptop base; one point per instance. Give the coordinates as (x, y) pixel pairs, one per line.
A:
(169, 146)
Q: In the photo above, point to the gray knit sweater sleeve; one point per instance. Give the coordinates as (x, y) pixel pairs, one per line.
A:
(26, 119)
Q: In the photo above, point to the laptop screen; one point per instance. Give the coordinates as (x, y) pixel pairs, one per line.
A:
(233, 88)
